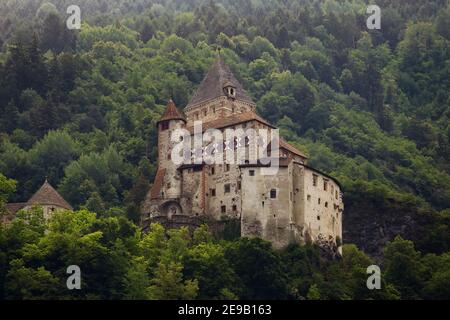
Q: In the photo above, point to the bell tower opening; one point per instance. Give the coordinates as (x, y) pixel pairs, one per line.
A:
(230, 90)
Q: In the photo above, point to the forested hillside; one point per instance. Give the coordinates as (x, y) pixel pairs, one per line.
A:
(370, 107)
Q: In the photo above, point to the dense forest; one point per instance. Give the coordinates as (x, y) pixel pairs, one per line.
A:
(369, 107)
(117, 261)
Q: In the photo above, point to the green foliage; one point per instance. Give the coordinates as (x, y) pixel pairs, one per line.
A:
(30, 284)
(136, 280)
(168, 284)
(313, 293)
(207, 263)
(365, 96)
(259, 269)
(403, 267)
(52, 154)
(415, 275)
(370, 108)
(117, 261)
(7, 187)
(100, 177)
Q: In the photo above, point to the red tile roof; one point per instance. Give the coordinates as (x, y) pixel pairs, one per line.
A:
(12, 208)
(231, 120)
(172, 113)
(155, 191)
(290, 148)
(47, 195)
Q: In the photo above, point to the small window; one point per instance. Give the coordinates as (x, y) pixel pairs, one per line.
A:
(273, 193)
(213, 192)
(336, 194)
(226, 188)
(318, 217)
(325, 185)
(165, 125)
(205, 112)
(251, 173)
(234, 208)
(318, 201)
(169, 156)
(227, 167)
(314, 180)
(223, 209)
(214, 109)
(239, 185)
(213, 170)
(326, 204)
(308, 197)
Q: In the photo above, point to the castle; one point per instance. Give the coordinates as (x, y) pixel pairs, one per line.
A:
(297, 204)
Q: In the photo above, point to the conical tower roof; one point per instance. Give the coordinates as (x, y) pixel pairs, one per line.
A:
(47, 195)
(212, 86)
(172, 113)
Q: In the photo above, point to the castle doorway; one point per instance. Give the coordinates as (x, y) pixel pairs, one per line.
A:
(171, 208)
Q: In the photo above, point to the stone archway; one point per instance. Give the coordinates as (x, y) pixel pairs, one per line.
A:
(170, 209)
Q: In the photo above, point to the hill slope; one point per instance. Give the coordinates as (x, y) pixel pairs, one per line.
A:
(370, 107)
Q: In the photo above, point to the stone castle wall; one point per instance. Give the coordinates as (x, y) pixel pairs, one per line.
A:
(297, 204)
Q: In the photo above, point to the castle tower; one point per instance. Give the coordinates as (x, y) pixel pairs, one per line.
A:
(49, 199)
(171, 120)
(46, 197)
(219, 95)
(163, 196)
